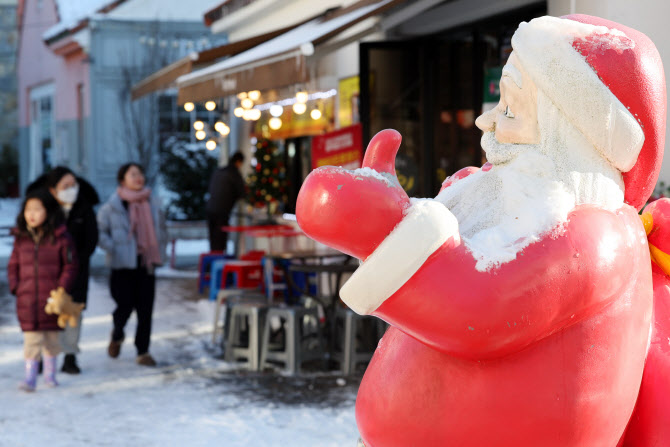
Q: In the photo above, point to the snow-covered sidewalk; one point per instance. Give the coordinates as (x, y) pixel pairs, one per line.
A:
(192, 398)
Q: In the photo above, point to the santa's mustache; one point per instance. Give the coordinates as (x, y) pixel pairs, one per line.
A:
(498, 153)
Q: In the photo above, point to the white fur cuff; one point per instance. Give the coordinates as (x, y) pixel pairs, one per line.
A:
(427, 225)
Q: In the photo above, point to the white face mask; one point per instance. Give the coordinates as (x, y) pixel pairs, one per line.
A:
(68, 196)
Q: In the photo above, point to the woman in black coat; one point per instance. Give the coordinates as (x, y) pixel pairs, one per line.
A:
(77, 198)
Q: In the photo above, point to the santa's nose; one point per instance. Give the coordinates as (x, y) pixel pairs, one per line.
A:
(486, 121)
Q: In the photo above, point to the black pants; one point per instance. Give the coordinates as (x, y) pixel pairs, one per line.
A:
(217, 239)
(133, 289)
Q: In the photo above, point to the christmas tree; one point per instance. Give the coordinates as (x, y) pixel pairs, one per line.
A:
(267, 184)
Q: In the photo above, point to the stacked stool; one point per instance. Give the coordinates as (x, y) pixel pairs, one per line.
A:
(229, 297)
(251, 315)
(352, 353)
(300, 325)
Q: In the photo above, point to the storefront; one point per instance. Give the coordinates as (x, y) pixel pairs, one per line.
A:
(285, 92)
(431, 88)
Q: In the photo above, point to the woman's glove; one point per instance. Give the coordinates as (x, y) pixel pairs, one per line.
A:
(354, 211)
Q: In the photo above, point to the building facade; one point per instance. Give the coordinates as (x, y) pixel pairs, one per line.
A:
(75, 80)
(427, 68)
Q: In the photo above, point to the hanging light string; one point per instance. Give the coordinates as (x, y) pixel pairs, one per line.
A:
(293, 100)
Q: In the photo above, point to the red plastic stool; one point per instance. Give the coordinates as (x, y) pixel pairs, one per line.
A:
(245, 273)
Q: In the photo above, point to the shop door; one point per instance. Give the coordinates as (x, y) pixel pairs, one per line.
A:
(393, 91)
(457, 103)
(425, 89)
(431, 90)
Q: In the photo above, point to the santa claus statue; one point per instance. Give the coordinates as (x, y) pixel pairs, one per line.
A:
(520, 299)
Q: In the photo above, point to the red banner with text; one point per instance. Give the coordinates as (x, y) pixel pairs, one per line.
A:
(343, 147)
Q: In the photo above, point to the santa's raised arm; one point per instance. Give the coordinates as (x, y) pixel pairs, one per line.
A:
(520, 297)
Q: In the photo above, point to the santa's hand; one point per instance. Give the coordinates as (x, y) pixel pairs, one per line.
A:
(461, 174)
(353, 211)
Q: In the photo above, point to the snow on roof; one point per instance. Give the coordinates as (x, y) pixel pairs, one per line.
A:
(71, 12)
(163, 10)
(291, 40)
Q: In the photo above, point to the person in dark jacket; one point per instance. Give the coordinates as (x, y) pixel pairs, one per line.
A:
(43, 259)
(225, 187)
(76, 197)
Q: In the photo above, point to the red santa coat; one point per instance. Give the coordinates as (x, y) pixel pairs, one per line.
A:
(546, 350)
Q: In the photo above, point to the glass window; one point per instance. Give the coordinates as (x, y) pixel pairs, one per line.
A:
(41, 129)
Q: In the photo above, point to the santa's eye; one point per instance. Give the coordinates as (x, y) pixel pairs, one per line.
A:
(508, 112)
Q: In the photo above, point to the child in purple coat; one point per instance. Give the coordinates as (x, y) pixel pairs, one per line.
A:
(42, 260)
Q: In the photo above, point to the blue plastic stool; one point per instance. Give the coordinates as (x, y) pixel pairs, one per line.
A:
(302, 281)
(215, 278)
(204, 268)
(306, 281)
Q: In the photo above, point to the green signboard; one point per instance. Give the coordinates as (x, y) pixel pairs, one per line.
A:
(491, 84)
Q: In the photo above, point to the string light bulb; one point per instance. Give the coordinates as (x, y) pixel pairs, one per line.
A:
(198, 125)
(315, 114)
(254, 95)
(241, 95)
(276, 110)
(247, 103)
(238, 112)
(275, 123)
(251, 114)
(299, 108)
(302, 96)
(222, 128)
(255, 114)
(200, 135)
(189, 106)
(210, 105)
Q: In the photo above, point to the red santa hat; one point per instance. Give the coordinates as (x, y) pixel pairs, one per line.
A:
(608, 80)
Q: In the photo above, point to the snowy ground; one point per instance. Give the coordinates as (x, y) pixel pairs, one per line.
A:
(192, 398)
(9, 208)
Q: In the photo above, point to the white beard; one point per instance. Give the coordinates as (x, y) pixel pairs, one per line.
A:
(530, 190)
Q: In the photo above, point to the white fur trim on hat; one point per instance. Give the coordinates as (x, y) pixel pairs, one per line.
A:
(544, 48)
(427, 225)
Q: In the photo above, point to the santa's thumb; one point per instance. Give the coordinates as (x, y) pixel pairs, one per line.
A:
(381, 152)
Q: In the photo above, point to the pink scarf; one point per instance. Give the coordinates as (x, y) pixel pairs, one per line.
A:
(142, 223)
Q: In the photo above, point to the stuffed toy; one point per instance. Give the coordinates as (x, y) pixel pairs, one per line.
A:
(61, 304)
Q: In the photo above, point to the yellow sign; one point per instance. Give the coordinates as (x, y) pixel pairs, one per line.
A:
(349, 92)
(294, 125)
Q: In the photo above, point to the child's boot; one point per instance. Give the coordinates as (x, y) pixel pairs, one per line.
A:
(31, 376)
(50, 371)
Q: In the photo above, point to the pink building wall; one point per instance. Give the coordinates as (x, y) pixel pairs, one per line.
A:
(38, 65)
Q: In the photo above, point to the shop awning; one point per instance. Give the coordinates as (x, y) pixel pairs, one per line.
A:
(280, 62)
(166, 76)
